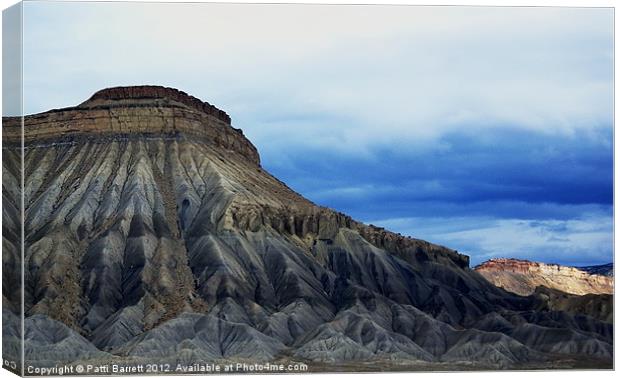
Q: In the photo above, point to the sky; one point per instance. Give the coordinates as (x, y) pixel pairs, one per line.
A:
(485, 129)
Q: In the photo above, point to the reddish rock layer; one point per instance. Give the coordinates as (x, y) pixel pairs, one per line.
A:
(522, 277)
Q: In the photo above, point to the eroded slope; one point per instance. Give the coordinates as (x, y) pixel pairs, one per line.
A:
(152, 242)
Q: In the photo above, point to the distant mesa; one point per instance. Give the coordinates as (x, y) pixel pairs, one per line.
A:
(523, 276)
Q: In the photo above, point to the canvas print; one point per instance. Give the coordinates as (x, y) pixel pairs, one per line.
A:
(192, 188)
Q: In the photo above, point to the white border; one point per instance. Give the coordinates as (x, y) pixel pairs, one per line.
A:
(504, 3)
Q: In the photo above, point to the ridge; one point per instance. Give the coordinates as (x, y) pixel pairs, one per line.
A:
(157, 92)
(523, 276)
(127, 112)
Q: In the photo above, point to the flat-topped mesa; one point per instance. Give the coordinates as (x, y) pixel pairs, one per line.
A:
(523, 276)
(525, 266)
(156, 92)
(511, 265)
(153, 111)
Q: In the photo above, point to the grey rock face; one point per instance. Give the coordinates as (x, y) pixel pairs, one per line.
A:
(46, 342)
(603, 270)
(156, 245)
(205, 337)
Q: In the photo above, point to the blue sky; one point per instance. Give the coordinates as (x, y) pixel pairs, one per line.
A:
(488, 130)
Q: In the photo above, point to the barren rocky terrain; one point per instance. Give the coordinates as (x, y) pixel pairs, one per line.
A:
(523, 277)
(153, 234)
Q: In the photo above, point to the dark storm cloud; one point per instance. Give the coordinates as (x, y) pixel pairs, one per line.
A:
(462, 170)
(505, 192)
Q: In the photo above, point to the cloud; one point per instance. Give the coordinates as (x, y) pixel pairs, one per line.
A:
(501, 193)
(587, 240)
(491, 169)
(373, 73)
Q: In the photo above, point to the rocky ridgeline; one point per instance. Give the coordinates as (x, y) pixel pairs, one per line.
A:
(156, 92)
(601, 270)
(131, 112)
(522, 277)
(310, 223)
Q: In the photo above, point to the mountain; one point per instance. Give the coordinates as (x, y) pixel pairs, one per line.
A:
(599, 306)
(153, 234)
(522, 277)
(601, 270)
(560, 288)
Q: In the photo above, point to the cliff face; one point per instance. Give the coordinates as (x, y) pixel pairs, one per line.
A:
(154, 92)
(152, 234)
(599, 306)
(522, 277)
(132, 111)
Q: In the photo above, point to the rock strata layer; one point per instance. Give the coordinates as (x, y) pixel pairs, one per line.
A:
(131, 111)
(522, 277)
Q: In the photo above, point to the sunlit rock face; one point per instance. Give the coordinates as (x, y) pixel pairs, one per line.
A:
(522, 277)
(153, 234)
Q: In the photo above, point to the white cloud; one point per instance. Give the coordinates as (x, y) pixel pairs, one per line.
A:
(581, 241)
(382, 73)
